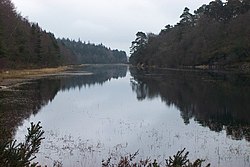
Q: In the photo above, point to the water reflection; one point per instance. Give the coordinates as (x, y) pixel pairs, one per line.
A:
(94, 74)
(215, 100)
(18, 103)
(92, 116)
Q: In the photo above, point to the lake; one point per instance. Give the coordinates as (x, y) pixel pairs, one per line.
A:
(94, 112)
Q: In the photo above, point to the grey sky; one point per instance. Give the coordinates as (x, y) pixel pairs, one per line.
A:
(111, 22)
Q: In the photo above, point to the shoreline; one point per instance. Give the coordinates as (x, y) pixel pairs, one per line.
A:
(11, 78)
(244, 69)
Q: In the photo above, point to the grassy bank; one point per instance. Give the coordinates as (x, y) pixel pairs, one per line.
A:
(9, 77)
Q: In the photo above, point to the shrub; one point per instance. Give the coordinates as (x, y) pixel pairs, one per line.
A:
(21, 154)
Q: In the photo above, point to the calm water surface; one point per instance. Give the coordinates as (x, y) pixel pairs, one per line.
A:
(95, 112)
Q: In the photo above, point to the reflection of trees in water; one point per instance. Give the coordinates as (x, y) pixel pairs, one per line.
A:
(101, 74)
(218, 101)
(20, 102)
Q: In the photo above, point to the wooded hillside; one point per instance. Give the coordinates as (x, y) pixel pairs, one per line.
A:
(88, 53)
(26, 45)
(217, 35)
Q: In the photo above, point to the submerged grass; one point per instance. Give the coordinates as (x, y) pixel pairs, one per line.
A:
(23, 154)
(180, 159)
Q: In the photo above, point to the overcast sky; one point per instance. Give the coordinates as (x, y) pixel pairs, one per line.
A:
(111, 22)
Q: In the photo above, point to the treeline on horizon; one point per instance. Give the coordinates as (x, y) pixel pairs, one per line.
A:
(88, 53)
(26, 45)
(217, 35)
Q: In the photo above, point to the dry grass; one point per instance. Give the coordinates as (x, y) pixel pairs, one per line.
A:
(6, 76)
(31, 72)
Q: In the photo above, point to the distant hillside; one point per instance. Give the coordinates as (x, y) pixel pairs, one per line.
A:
(217, 35)
(87, 53)
(26, 45)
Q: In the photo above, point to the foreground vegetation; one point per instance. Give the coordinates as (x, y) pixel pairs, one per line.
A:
(217, 35)
(23, 154)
